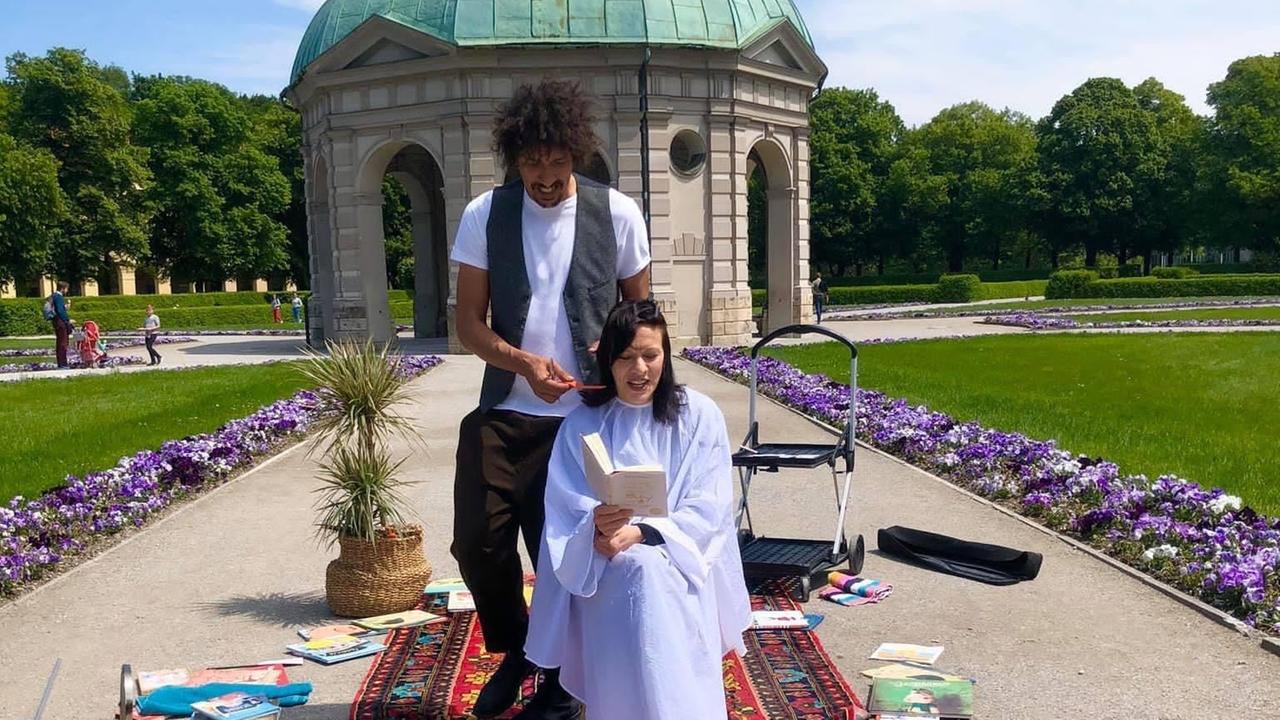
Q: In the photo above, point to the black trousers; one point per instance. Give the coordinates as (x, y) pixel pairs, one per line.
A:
(497, 493)
(151, 349)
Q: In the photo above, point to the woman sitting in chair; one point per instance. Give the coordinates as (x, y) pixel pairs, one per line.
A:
(638, 612)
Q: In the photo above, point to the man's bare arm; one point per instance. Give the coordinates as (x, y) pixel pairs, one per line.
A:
(474, 333)
(636, 287)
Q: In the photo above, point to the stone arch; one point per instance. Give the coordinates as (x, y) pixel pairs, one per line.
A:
(781, 243)
(420, 172)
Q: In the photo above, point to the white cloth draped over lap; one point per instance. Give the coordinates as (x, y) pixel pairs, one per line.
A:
(642, 635)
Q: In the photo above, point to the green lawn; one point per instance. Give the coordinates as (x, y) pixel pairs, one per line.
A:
(1041, 304)
(1201, 405)
(52, 428)
(1224, 313)
(8, 344)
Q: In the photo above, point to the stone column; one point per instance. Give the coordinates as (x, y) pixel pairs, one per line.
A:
(631, 183)
(803, 303)
(7, 290)
(260, 285)
(164, 286)
(457, 193)
(230, 286)
(426, 294)
(127, 280)
(730, 320)
(89, 288)
(47, 286)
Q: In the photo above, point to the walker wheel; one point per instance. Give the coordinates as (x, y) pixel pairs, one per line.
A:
(128, 692)
(802, 592)
(857, 556)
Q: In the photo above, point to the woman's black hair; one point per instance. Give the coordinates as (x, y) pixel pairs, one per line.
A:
(618, 334)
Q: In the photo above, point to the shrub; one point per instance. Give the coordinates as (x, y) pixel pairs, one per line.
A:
(23, 317)
(1194, 286)
(1131, 270)
(404, 274)
(1171, 273)
(1007, 290)
(958, 289)
(1069, 283)
(881, 294)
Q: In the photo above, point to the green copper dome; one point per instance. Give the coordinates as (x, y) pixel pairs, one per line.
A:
(708, 23)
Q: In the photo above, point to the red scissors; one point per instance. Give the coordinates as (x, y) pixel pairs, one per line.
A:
(578, 385)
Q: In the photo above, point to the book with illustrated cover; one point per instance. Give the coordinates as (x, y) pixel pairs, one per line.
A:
(899, 671)
(326, 631)
(904, 652)
(461, 601)
(444, 585)
(642, 488)
(235, 706)
(921, 698)
(336, 649)
(779, 620)
(393, 621)
(152, 680)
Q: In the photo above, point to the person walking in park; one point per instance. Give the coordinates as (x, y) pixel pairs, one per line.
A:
(150, 326)
(548, 253)
(56, 312)
(296, 303)
(819, 295)
(275, 309)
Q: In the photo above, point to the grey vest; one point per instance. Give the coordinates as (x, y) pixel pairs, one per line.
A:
(589, 294)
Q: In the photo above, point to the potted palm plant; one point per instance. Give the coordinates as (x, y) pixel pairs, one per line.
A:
(380, 566)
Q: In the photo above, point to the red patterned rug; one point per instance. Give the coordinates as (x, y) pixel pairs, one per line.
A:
(435, 672)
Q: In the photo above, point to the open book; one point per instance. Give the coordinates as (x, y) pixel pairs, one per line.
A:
(642, 488)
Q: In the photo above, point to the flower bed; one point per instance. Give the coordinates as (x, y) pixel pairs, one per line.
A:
(112, 361)
(111, 345)
(38, 535)
(1200, 541)
(1039, 321)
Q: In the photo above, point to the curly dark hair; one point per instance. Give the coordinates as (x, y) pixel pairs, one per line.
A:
(552, 113)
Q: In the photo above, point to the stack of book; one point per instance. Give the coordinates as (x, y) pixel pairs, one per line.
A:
(235, 706)
(911, 688)
(331, 644)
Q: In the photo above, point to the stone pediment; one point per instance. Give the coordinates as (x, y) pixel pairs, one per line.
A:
(379, 41)
(783, 46)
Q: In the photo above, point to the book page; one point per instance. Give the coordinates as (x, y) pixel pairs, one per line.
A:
(596, 464)
(642, 488)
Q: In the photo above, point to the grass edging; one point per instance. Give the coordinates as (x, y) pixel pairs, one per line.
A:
(1220, 617)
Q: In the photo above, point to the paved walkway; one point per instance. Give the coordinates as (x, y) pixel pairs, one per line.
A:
(227, 578)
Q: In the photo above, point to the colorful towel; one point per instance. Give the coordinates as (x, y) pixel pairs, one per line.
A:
(435, 672)
(850, 590)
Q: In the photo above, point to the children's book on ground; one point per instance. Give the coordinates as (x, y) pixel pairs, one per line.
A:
(778, 620)
(409, 618)
(444, 585)
(899, 671)
(336, 649)
(235, 706)
(921, 698)
(903, 652)
(461, 601)
(642, 488)
(326, 631)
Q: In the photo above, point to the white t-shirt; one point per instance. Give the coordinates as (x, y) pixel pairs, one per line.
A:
(152, 322)
(548, 235)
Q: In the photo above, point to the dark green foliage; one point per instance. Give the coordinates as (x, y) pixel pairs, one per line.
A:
(1069, 283)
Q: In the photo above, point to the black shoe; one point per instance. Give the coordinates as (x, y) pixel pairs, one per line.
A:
(551, 702)
(503, 689)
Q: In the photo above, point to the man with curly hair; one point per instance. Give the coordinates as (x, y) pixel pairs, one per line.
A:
(546, 256)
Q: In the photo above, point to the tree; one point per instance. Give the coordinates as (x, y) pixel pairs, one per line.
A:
(277, 129)
(62, 104)
(976, 165)
(32, 207)
(397, 226)
(1098, 149)
(1244, 152)
(217, 194)
(1166, 197)
(852, 136)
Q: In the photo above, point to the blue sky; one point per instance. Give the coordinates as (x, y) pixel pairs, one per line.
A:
(921, 55)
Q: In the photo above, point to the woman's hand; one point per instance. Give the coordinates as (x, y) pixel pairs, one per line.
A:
(620, 541)
(611, 518)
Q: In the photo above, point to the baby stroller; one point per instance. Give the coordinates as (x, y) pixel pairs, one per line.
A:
(801, 563)
(86, 338)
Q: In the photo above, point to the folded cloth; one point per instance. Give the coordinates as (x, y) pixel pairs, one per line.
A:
(851, 590)
(175, 700)
(991, 564)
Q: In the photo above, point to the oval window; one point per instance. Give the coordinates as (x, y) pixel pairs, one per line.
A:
(688, 152)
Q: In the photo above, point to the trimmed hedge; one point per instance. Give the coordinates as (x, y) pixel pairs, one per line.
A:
(1010, 290)
(986, 276)
(1076, 284)
(1069, 284)
(957, 288)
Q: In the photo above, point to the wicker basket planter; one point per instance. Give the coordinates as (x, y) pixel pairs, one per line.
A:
(377, 577)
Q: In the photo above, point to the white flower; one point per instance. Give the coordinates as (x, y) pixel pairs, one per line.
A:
(1160, 551)
(1224, 502)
